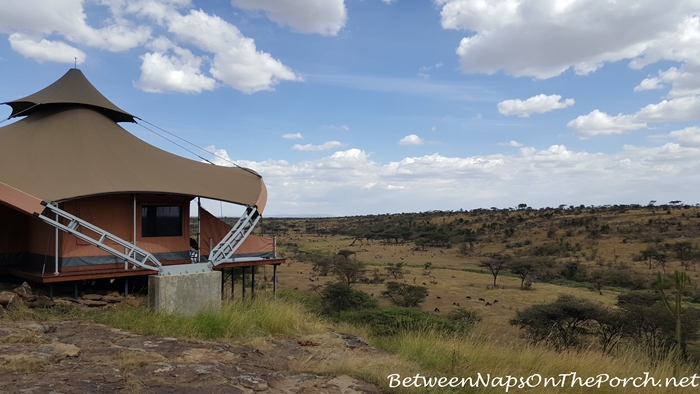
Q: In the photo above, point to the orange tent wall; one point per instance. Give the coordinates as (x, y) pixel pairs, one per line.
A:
(212, 227)
(25, 240)
(115, 214)
(13, 234)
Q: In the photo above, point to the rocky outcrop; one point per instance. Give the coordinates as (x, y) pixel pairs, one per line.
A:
(43, 358)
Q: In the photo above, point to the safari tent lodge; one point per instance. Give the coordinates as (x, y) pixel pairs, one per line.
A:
(81, 198)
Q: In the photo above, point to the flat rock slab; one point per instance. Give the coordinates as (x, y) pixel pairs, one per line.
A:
(92, 297)
(86, 357)
(92, 303)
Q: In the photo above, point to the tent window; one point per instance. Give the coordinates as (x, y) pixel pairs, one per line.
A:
(161, 221)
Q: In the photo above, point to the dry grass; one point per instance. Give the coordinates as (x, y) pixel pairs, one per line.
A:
(128, 361)
(29, 337)
(240, 319)
(25, 365)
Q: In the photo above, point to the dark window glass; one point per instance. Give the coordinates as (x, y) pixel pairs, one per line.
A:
(161, 221)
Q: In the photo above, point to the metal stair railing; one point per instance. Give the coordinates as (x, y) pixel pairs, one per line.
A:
(132, 254)
(225, 249)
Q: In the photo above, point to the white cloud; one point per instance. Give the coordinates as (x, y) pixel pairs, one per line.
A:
(512, 143)
(336, 128)
(237, 62)
(685, 81)
(325, 146)
(32, 26)
(296, 136)
(181, 72)
(536, 104)
(542, 39)
(325, 17)
(423, 71)
(45, 50)
(219, 157)
(687, 137)
(411, 139)
(350, 182)
(43, 18)
(600, 123)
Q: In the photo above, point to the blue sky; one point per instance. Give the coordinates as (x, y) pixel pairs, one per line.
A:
(353, 107)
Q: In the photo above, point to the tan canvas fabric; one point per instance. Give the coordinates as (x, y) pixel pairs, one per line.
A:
(73, 88)
(79, 152)
(70, 147)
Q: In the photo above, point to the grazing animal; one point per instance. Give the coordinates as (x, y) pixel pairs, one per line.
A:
(454, 303)
(311, 279)
(469, 297)
(424, 284)
(296, 288)
(437, 310)
(495, 301)
(458, 304)
(488, 304)
(481, 299)
(438, 297)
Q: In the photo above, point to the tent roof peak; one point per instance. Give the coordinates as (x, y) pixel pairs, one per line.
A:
(73, 88)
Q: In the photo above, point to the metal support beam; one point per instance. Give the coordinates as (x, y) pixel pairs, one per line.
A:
(243, 276)
(126, 287)
(274, 280)
(252, 282)
(232, 283)
(132, 254)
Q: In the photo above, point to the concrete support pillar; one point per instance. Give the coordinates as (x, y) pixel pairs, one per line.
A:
(185, 294)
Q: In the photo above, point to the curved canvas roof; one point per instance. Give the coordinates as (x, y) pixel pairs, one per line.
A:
(62, 152)
(71, 88)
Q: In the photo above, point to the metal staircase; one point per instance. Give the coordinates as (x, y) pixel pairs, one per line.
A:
(225, 249)
(132, 254)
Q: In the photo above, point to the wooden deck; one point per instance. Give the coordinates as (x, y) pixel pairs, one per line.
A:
(91, 274)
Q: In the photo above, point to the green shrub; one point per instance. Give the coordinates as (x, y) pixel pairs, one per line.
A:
(394, 320)
(339, 297)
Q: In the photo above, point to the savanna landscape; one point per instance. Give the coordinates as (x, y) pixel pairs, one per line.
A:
(499, 292)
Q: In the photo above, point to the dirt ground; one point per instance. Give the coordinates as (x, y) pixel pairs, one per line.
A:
(86, 357)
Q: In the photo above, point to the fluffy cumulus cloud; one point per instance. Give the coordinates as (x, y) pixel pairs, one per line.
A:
(295, 136)
(325, 146)
(43, 50)
(197, 42)
(237, 62)
(687, 137)
(411, 139)
(179, 71)
(67, 19)
(325, 17)
(542, 39)
(600, 123)
(534, 105)
(350, 182)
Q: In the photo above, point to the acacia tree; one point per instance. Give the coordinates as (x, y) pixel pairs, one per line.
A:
(348, 271)
(522, 268)
(561, 323)
(494, 266)
(403, 294)
(395, 270)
